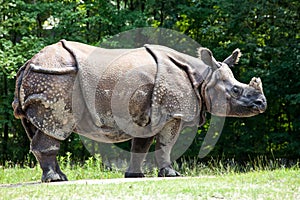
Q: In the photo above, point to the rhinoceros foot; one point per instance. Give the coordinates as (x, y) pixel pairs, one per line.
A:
(168, 172)
(134, 175)
(52, 176)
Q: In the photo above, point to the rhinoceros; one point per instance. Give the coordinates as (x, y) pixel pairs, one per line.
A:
(115, 95)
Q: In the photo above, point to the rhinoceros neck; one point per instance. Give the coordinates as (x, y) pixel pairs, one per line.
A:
(206, 102)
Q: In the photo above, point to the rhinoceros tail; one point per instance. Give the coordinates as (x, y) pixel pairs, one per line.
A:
(16, 104)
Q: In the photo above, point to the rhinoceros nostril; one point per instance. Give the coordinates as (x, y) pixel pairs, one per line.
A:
(258, 102)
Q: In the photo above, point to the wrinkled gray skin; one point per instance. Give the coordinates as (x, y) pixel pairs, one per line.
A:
(118, 95)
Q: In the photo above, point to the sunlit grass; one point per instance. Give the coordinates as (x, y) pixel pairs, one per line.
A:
(217, 179)
(93, 168)
(276, 184)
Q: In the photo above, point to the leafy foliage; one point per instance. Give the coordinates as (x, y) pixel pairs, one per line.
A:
(266, 31)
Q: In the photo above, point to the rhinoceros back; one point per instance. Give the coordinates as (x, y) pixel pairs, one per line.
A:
(104, 94)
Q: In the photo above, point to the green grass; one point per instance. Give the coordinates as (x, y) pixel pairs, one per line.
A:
(277, 184)
(213, 181)
(93, 168)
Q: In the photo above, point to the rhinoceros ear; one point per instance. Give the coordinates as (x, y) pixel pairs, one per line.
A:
(233, 58)
(207, 57)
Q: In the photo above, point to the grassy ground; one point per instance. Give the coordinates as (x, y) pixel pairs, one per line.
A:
(219, 183)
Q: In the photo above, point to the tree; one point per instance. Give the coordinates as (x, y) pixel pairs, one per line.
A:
(266, 31)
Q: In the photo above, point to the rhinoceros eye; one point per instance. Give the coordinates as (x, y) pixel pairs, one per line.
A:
(236, 91)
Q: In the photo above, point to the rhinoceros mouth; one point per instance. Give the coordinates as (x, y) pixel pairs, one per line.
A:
(258, 108)
(252, 107)
(255, 109)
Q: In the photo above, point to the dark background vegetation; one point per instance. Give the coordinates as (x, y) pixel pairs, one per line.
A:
(267, 32)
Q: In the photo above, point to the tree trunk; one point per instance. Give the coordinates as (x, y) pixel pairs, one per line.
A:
(162, 8)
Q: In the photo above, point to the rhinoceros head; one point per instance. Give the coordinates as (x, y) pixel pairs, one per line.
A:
(224, 95)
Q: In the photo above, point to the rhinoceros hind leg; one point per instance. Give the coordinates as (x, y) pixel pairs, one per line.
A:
(45, 149)
(139, 149)
(168, 172)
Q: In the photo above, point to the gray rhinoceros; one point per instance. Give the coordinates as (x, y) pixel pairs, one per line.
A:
(114, 95)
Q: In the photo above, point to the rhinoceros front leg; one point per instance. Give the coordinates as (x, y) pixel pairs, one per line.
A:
(165, 141)
(45, 149)
(139, 149)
